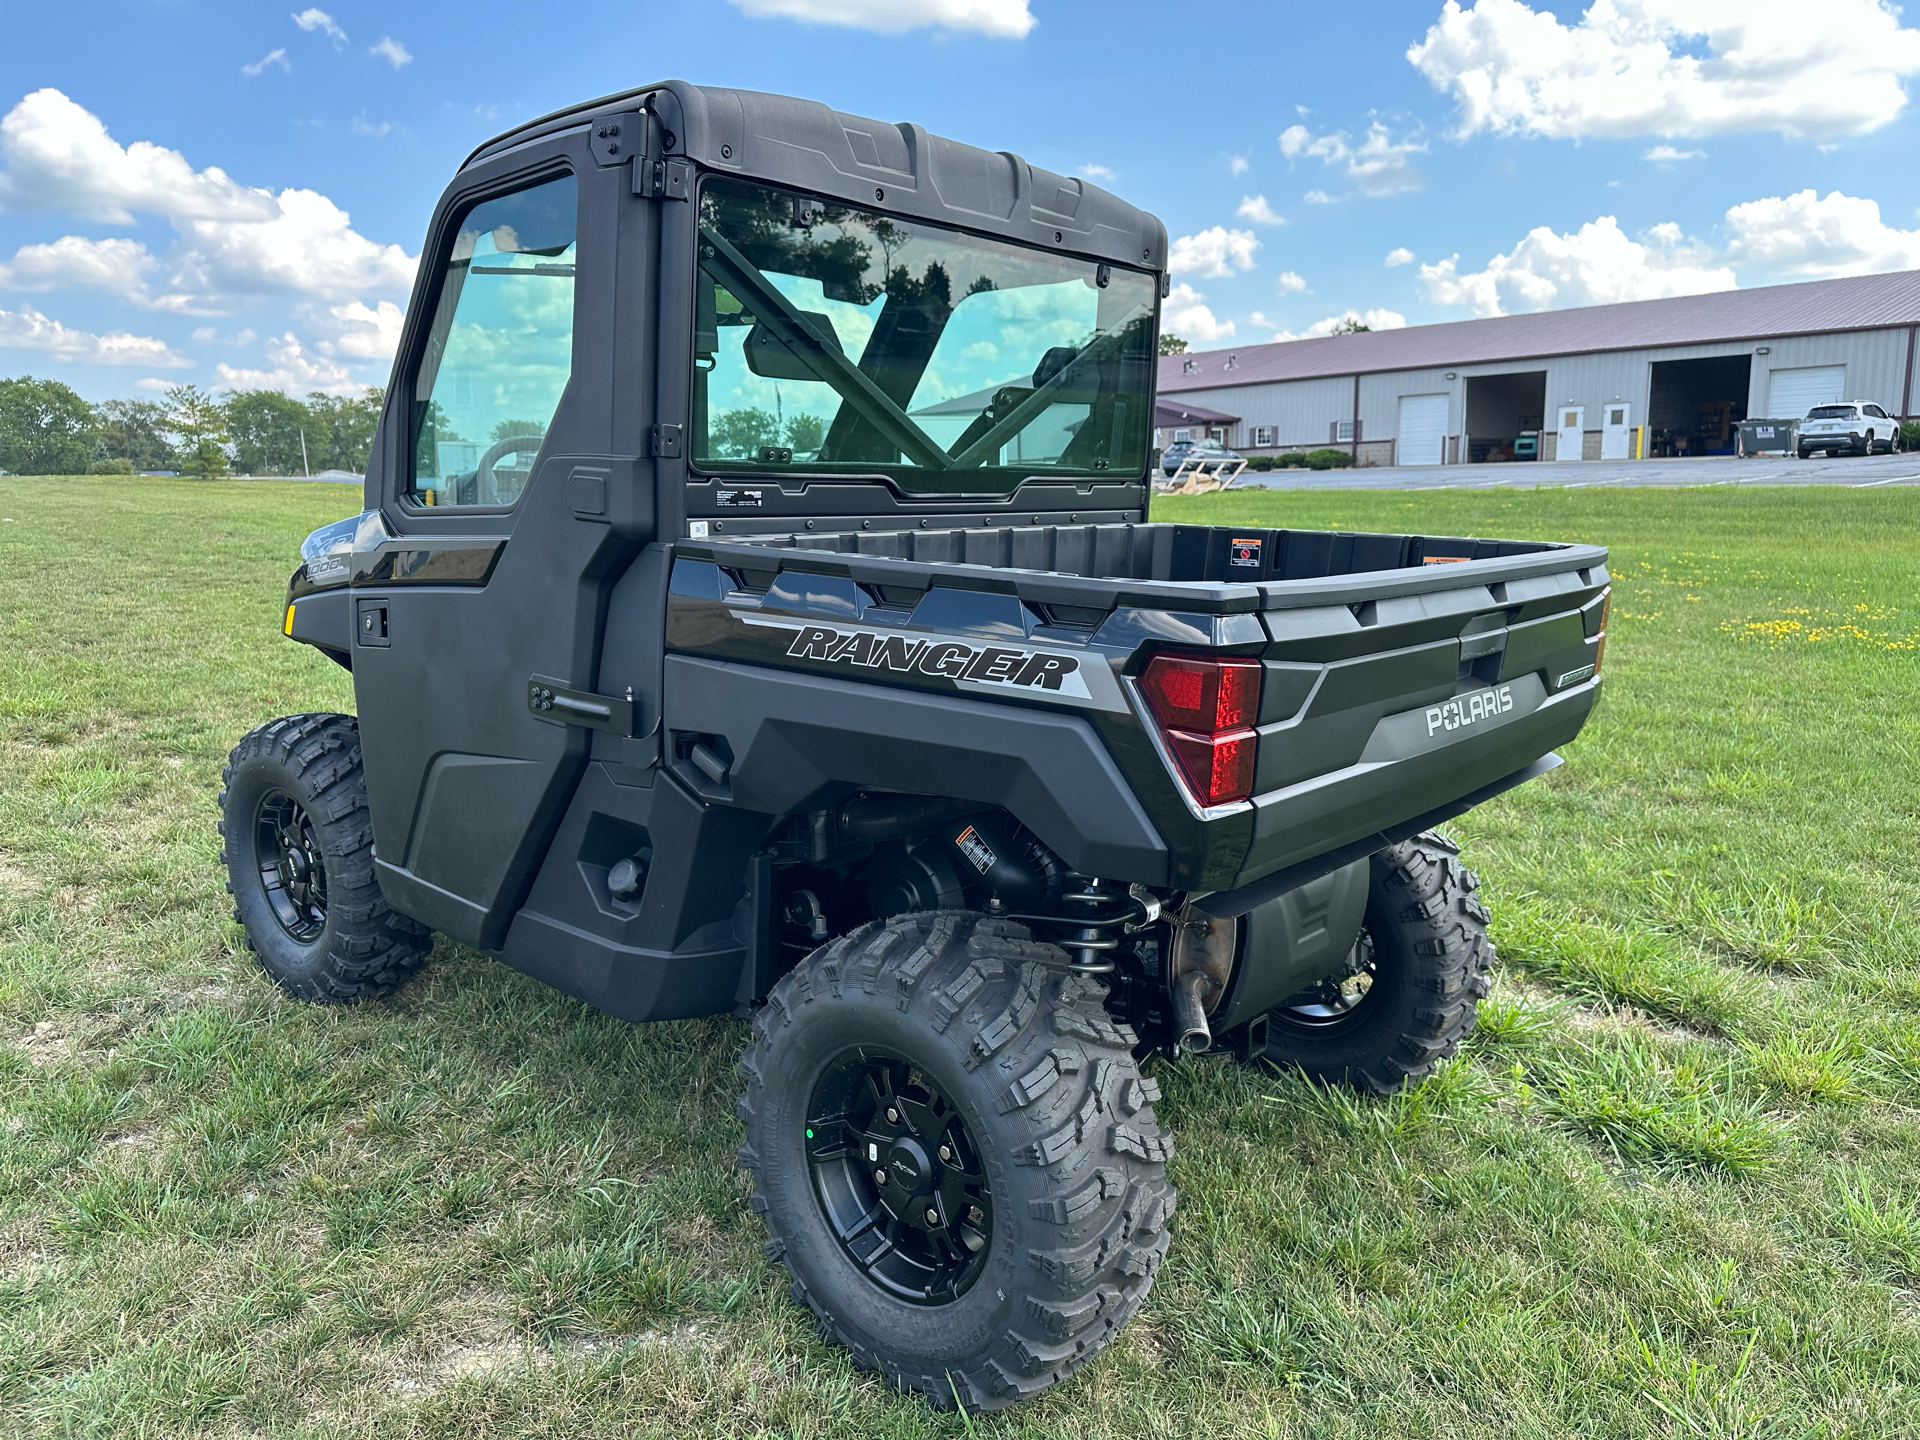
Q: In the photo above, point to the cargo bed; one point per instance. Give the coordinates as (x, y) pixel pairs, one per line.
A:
(1400, 673)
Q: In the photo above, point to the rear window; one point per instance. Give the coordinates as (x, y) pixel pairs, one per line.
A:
(1831, 412)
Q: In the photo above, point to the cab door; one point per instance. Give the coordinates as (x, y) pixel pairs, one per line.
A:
(511, 498)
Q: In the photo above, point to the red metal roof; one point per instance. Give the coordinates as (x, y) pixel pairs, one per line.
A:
(1859, 302)
(1172, 412)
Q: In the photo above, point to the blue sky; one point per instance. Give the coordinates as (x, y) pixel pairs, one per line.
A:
(235, 194)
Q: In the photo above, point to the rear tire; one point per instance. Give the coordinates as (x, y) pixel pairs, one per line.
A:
(1045, 1132)
(1425, 955)
(297, 842)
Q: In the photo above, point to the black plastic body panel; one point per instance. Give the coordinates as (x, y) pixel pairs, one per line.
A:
(802, 741)
(1295, 939)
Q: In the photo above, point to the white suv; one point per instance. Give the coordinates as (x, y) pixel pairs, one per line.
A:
(1851, 425)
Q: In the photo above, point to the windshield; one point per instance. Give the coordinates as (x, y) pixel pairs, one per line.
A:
(834, 340)
(1831, 412)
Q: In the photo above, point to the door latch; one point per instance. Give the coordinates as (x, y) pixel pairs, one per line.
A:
(560, 704)
(662, 179)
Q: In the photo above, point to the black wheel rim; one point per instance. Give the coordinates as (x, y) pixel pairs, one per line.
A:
(292, 872)
(1339, 1000)
(899, 1179)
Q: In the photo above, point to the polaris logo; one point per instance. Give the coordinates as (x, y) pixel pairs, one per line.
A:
(957, 660)
(1469, 709)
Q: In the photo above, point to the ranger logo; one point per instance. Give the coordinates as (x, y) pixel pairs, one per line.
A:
(956, 660)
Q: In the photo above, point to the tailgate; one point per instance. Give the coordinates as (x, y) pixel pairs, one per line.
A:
(1389, 706)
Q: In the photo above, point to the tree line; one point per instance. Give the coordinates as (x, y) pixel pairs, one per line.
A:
(48, 429)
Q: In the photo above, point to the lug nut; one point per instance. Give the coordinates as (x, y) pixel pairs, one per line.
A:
(976, 1214)
(946, 1152)
(879, 1177)
(933, 1216)
(893, 1116)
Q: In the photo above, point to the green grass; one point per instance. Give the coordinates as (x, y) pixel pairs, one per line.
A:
(1673, 1189)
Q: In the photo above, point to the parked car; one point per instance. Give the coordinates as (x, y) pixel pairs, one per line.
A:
(1204, 451)
(1853, 425)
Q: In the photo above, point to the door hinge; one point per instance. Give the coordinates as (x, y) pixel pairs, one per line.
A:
(616, 138)
(666, 442)
(552, 701)
(662, 179)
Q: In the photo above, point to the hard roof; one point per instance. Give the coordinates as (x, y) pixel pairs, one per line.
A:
(1859, 302)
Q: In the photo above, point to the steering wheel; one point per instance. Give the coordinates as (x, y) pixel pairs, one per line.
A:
(486, 491)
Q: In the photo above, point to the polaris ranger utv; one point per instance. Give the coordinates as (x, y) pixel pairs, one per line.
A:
(755, 610)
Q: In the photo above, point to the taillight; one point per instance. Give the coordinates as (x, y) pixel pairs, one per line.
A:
(1205, 706)
(1600, 651)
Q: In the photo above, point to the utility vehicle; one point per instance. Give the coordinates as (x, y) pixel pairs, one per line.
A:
(755, 611)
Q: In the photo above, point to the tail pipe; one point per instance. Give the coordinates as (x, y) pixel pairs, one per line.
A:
(1190, 1012)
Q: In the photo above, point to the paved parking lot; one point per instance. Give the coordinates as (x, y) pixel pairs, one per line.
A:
(1595, 474)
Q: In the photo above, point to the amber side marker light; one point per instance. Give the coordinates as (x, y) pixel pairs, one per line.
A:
(1205, 706)
(287, 629)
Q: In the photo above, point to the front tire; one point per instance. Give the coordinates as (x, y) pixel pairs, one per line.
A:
(1418, 972)
(297, 842)
(955, 1155)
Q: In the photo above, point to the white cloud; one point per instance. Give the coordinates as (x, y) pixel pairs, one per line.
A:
(234, 241)
(1096, 172)
(1378, 165)
(1399, 255)
(1672, 67)
(1598, 264)
(1256, 209)
(1001, 19)
(294, 371)
(116, 264)
(1213, 254)
(1668, 154)
(363, 332)
(392, 51)
(1290, 282)
(1260, 322)
(313, 18)
(275, 56)
(1183, 314)
(1317, 197)
(1805, 237)
(27, 329)
(1238, 164)
(360, 125)
(1372, 319)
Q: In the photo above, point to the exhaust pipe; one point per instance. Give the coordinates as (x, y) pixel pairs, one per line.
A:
(1189, 1014)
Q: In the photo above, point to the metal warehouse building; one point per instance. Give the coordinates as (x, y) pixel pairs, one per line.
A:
(1645, 378)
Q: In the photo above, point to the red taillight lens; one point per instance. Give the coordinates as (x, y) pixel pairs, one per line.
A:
(1204, 693)
(1206, 706)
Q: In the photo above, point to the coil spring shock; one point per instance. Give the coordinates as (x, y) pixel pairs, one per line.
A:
(1090, 944)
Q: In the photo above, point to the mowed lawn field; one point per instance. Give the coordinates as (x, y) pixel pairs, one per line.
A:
(1672, 1188)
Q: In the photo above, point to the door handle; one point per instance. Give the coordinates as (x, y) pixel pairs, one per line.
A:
(560, 704)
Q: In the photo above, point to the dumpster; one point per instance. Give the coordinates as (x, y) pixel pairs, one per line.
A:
(1767, 437)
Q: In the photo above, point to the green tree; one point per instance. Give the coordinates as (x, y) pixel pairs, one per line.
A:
(196, 417)
(267, 427)
(739, 434)
(806, 432)
(1351, 326)
(346, 424)
(134, 431)
(45, 429)
(1172, 345)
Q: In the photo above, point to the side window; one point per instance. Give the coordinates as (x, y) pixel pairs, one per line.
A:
(500, 352)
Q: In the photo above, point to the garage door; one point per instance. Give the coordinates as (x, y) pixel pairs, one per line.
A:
(1792, 393)
(1423, 430)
